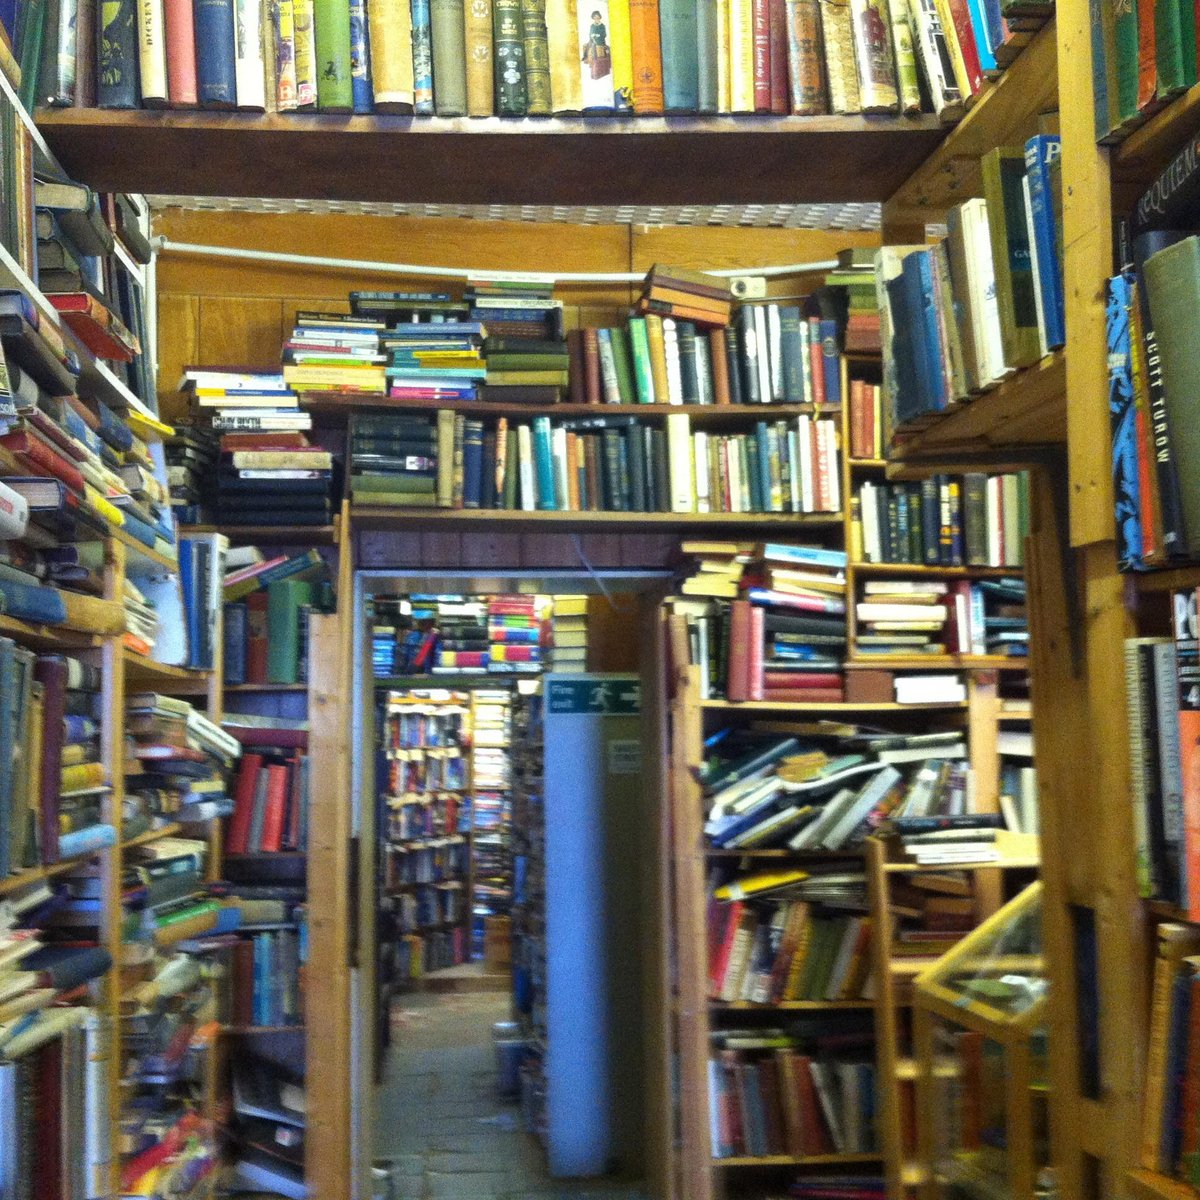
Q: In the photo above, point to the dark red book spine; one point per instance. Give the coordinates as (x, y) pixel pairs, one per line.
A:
(738, 684)
(576, 368)
(592, 393)
(762, 55)
(777, 19)
(272, 834)
(754, 666)
(238, 836)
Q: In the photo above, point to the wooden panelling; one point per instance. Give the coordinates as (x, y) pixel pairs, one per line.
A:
(612, 645)
(238, 330)
(178, 341)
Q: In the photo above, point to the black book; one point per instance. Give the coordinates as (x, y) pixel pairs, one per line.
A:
(662, 474)
(685, 332)
(733, 364)
(635, 456)
(748, 355)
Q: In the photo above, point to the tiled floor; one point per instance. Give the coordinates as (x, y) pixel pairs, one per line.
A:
(441, 1129)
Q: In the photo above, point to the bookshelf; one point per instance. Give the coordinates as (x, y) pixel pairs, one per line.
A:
(660, 160)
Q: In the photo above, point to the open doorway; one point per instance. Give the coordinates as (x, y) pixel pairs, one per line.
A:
(509, 815)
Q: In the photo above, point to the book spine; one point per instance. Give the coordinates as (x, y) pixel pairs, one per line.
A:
(707, 86)
(873, 57)
(117, 48)
(724, 92)
(620, 36)
(907, 81)
(152, 57)
(537, 58)
(646, 45)
(249, 68)
(361, 92)
(448, 40)
(511, 94)
(180, 25)
(805, 64)
(562, 37)
(741, 56)
(837, 25)
(216, 64)
(680, 60)
(422, 42)
(777, 18)
(477, 23)
(85, 54)
(761, 16)
(390, 23)
(331, 40)
(304, 53)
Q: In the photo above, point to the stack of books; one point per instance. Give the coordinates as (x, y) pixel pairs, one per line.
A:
(394, 459)
(1018, 782)
(273, 479)
(974, 520)
(333, 352)
(515, 63)
(525, 367)
(961, 316)
(517, 628)
(192, 472)
(946, 839)
(569, 634)
(515, 309)
(458, 625)
(434, 360)
(179, 760)
(902, 616)
(804, 1090)
(141, 620)
(683, 295)
(855, 280)
(407, 308)
(931, 911)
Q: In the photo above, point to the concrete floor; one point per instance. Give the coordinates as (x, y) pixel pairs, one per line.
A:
(441, 1130)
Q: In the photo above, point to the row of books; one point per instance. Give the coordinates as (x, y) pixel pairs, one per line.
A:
(265, 978)
(270, 804)
(961, 316)
(977, 520)
(429, 860)
(418, 954)
(767, 951)
(431, 906)
(905, 617)
(768, 1095)
(423, 809)
(512, 59)
(594, 464)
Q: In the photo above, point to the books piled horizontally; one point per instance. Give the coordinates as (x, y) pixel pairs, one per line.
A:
(828, 792)
(931, 911)
(270, 803)
(405, 308)
(1018, 782)
(267, 1134)
(770, 944)
(192, 472)
(976, 520)
(512, 63)
(268, 604)
(525, 346)
(686, 295)
(804, 1089)
(934, 829)
(460, 629)
(517, 627)
(273, 479)
(855, 279)
(141, 620)
(394, 459)
(179, 760)
(434, 359)
(569, 634)
(960, 316)
(766, 620)
(241, 401)
(603, 464)
(334, 352)
(768, 354)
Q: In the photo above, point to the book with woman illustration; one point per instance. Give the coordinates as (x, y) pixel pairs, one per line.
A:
(595, 55)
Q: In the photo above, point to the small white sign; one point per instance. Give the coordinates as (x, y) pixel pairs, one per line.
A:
(625, 757)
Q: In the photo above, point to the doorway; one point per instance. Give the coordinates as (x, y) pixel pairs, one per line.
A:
(506, 829)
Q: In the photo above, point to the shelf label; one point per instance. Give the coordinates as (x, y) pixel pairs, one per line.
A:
(616, 697)
(624, 756)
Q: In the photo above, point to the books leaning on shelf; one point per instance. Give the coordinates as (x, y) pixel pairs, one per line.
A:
(945, 520)
(514, 61)
(803, 1089)
(767, 621)
(999, 268)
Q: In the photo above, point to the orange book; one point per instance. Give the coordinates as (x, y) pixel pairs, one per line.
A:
(647, 56)
(720, 365)
(681, 312)
(573, 471)
(276, 806)
(671, 295)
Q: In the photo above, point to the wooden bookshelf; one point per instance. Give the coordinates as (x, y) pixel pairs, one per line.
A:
(1150, 1185)
(48, 637)
(936, 662)
(31, 875)
(269, 535)
(1146, 150)
(785, 707)
(152, 835)
(792, 1006)
(140, 669)
(873, 570)
(803, 1160)
(369, 517)
(554, 160)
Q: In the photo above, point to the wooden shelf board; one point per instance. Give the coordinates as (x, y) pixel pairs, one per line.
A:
(770, 706)
(258, 1030)
(143, 553)
(138, 667)
(1006, 718)
(1014, 863)
(1166, 910)
(701, 415)
(714, 852)
(1168, 579)
(1148, 149)
(1150, 1185)
(868, 463)
(270, 535)
(260, 855)
(917, 570)
(47, 637)
(936, 662)
(152, 835)
(1027, 409)
(266, 687)
(790, 1160)
(554, 160)
(382, 517)
(1000, 115)
(22, 879)
(790, 1005)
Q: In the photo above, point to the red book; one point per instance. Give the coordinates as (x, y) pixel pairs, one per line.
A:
(817, 604)
(592, 391)
(47, 1113)
(291, 833)
(801, 679)
(180, 25)
(754, 663)
(816, 356)
(768, 1090)
(99, 330)
(816, 1135)
(256, 637)
(577, 368)
(737, 686)
(966, 41)
(265, 441)
(720, 367)
(828, 695)
(254, 735)
(777, 18)
(732, 913)
(243, 982)
(1147, 57)
(762, 55)
(733, 1110)
(170, 1145)
(40, 458)
(516, 653)
(1147, 478)
(276, 808)
(237, 837)
(1189, 748)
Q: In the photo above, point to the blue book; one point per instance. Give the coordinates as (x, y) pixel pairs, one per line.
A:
(117, 54)
(138, 529)
(755, 481)
(1040, 151)
(925, 325)
(792, 346)
(1122, 419)
(257, 1008)
(543, 463)
(85, 841)
(915, 397)
(112, 429)
(235, 643)
(977, 9)
(833, 362)
(810, 555)
(763, 441)
(360, 58)
(67, 967)
(422, 43)
(680, 55)
(28, 602)
(216, 78)
(187, 585)
(473, 464)
(1176, 1070)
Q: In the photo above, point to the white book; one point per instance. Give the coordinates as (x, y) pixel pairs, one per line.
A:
(671, 352)
(733, 468)
(944, 856)
(1012, 817)
(868, 611)
(995, 510)
(1027, 801)
(775, 350)
(525, 478)
(703, 484)
(990, 343)
(868, 515)
(904, 754)
(715, 1088)
(558, 448)
(680, 467)
(832, 474)
(793, 451)
(152, 53)
(871, 793)
(14, 513)
(930, 45)
(762, 353)
(930, 689)
(893, 587)
(807, 480)
(249, 67)
(608, 367)
(1033, 262)
(813, 834)
(1015, 741)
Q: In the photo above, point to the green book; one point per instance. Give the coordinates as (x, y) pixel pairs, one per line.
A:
(447, 22)
(622, 361)
(511, 469)
(1187, 37)
(639, 350)
(1173, 291)
(424, 485)
(1168, 47)
(817, 940)
(1003, 188)
(395, 499)
(1125, 52)
(528, 362)
(537, 58)
(33, 34)
(284, 601)
(512, 95)
(331, 32)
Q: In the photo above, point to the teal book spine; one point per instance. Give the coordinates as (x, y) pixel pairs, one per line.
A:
(422, 52)
(331, 33)
(706, 55)
(680, 55)
(543, 463)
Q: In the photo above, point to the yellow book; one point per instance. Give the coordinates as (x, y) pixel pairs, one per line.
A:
(621, 44)
(390, 22)
(791, 988)
(570, 606)
(76, 753)
(306, 53)
(724, 94)
(477, 27)
(741, 56)
(946, 17)
(83, 775)
(658, 355)
(92, 615)
(562, 36)
(102, 507)
(763, 881)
